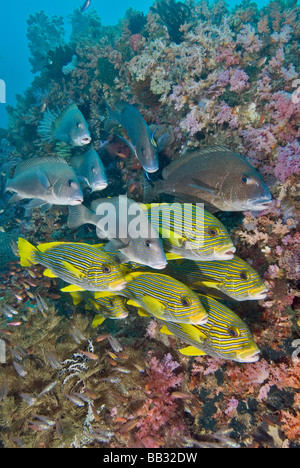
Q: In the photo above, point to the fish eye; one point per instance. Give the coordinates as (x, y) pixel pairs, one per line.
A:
(148, 244)
(244, 179)
(185, 301)
(93, 170)
(70, 183)
(79, 125)
(212, 231)
(244, 275)
(106, 269)
(233, 331)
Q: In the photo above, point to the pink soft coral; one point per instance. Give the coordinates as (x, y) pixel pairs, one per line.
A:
(288, 161)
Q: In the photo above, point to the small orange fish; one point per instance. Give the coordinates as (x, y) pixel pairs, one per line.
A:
(89, 355)
(261, 120)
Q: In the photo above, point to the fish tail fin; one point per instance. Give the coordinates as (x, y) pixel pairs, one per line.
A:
(45, 129)
(25, 251)
(151, 189)
(112, 117)
(78, 215)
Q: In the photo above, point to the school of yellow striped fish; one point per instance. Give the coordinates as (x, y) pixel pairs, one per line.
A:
(198, 269)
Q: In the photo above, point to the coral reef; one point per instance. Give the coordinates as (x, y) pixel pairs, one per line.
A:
(210, 76)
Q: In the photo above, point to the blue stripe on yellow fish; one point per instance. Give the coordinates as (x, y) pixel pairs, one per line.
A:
(235, 277)
(224, 335)
(82, 265)
(163, 297)
(189, 231)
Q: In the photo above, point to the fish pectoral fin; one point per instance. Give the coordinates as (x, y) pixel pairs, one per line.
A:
(128, 143)
(72, 288)
(97, 321)
(133, 303)
(164, 329)
(173, 256)
(142, 312)
(200, 185)
(49, 273)
(208, 283)
(73, 270)
(154, 305)
(192, 351)
(193, 332)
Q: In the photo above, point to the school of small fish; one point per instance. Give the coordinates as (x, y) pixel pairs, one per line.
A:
(198, 267)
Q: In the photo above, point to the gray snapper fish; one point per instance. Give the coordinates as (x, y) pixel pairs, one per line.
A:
(68, 126)
(142, 142)
(129, 232)
(218, 177)
(46, 180)
(90, 170)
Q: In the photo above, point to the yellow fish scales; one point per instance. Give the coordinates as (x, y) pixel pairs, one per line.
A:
(163, 297)
(84, 266)
(189, 231)
(234, 277)
(224, 335)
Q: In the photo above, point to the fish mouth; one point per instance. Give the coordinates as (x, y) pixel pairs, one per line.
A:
(202, 320)
(77, 201)
(117, 285)
(158, 266)
(151, 169)
(86, 140)
(225, 253)
(100, 186)
(259, 295)
(260, 205)
(249, 355)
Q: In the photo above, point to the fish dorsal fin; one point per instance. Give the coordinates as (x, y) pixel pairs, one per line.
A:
(154, 306)
(29, 163)
(192, 351)
(45, 247)
(188, 156)
(75, 271)
(134, 274)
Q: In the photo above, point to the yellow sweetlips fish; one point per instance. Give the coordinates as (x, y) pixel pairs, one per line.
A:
(112, 307)
(224, 335)
(235, 278)
(82, 265)
(163, 297)
(190, 232)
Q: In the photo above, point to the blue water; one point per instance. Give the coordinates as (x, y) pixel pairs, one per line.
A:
(15, 68)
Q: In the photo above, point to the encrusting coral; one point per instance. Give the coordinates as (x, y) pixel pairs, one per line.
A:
(216, 77)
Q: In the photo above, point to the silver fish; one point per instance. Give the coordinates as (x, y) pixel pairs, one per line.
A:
(68, 126)
(85, 6)
(90, 170)
(46, 180)
(141, 245)
(142, 141)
